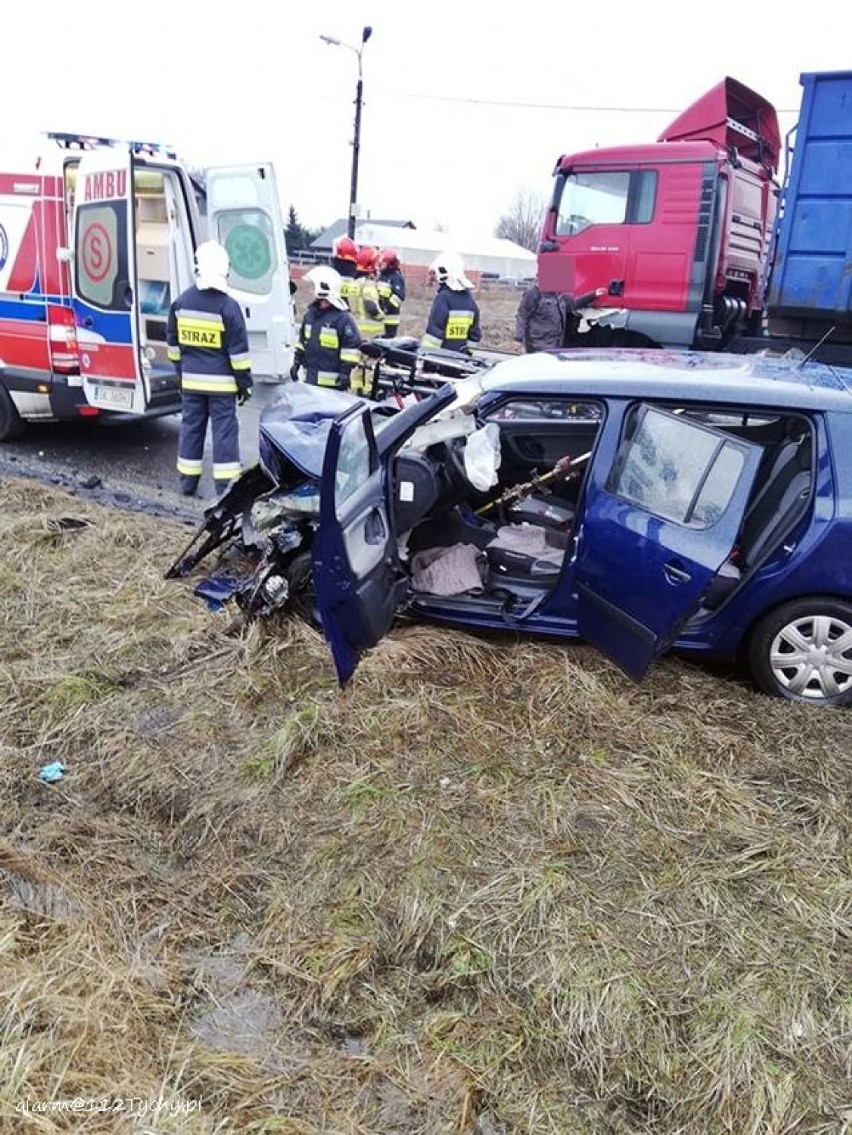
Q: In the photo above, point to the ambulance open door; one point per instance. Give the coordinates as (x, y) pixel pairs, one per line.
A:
(244, 214)
(105, 286)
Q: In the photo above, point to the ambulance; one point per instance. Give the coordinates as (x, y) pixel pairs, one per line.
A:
(97, 238)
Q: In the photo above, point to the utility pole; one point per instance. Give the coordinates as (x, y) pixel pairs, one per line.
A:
(356, 142)
(356, 151)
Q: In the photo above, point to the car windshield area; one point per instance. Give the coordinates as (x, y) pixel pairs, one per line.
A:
(488, 509)
(605, 197)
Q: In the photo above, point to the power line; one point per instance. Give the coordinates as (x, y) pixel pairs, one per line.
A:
(554, 106)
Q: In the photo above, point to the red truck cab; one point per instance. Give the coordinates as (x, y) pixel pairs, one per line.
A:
(676, 230)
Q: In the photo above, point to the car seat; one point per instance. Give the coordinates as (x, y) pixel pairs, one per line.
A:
(778, 504)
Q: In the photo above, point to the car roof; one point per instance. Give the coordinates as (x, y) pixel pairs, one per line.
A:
(679, 375)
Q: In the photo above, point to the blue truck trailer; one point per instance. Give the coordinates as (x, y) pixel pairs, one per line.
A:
(810, 274)
(808, 283)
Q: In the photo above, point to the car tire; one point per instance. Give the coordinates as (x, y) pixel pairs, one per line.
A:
(11, 424)
(802, 651)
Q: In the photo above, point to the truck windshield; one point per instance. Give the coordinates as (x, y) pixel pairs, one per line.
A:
(605, 197)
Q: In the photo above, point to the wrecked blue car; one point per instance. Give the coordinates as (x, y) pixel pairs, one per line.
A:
(639, 500)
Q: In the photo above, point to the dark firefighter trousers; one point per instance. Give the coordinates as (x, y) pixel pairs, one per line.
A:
(221, 409)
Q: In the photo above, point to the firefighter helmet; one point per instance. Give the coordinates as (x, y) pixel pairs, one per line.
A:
(448, 269)
(326, 284)
(345, 248)
(212, 266)
(389, 258)
(367, 259)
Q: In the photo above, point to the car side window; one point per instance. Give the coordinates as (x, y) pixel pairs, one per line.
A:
(677, 469)
(354, 461)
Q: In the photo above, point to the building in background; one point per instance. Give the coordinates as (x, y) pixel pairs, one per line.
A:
(485, 257)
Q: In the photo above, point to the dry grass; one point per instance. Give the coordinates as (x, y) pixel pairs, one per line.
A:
(491, 888)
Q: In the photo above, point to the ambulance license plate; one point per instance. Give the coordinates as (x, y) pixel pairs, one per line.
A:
(115, 397)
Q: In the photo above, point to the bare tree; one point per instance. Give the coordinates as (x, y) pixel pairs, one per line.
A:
(522, 222)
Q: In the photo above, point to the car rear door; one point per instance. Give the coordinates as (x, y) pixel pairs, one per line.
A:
(655, 529)
(360, 583)
(244, 215)
(105, 287)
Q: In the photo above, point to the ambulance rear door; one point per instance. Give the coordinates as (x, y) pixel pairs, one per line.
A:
(244, 214)
(105, 286)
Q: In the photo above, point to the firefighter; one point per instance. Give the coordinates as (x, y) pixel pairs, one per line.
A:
(208, 343)
(329, 341)
(454, 319)
(365, 298)
(391, 286)
(366, 308)
(343, 257)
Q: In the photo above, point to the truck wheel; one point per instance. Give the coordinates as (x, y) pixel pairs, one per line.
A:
(803, 651)
(11, 425)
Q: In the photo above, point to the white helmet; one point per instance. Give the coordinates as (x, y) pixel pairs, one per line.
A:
(448, 269)
(212, 266)
(326, 283)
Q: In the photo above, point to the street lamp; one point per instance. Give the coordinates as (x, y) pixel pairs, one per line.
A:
(356, 144)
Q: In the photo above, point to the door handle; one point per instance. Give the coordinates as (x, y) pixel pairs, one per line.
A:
(87, 322)
(616, 288)
(675, 574)
(374, 528)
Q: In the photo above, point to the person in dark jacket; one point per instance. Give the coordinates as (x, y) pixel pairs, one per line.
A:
(454, 318)
(329, 341)
(391, 284)
(208, 343)
(544, 318)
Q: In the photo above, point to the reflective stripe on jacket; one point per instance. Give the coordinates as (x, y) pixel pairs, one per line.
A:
(395, 278)
(453, 321)
(208, 341)
(364, 302)
(390, 297)
(329, 343)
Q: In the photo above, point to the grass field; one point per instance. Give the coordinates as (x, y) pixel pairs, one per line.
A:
(492, 888)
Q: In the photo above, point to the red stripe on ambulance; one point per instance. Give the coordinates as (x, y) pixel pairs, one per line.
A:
(25, 344)
(23, 272)
(108, 360)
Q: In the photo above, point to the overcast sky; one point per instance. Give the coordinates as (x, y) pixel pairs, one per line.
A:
(461, 108)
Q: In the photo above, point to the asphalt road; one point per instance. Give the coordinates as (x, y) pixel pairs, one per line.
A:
(130, 464)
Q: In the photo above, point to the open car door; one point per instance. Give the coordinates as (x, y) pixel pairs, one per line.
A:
(360, 583)
(105, 288)
(244, 215)
(656, 531)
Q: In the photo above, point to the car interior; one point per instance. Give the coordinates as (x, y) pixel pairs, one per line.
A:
(517, 533)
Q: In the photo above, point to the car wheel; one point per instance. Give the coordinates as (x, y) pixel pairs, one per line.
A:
(11, 425)
(803, 651)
